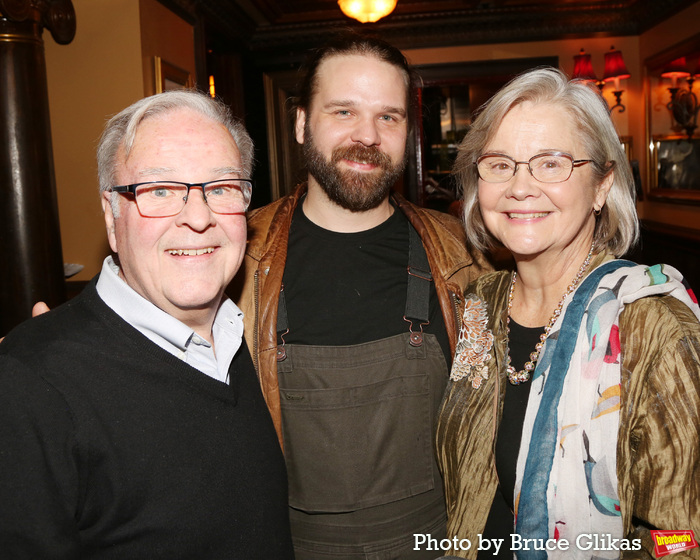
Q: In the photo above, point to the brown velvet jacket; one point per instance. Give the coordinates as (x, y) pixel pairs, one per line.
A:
(257, 286)
(658, 450)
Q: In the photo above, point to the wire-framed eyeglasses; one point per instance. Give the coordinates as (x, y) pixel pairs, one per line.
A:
(550, 167)
(161, 199)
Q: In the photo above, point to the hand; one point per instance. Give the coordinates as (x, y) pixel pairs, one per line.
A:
(39, 309)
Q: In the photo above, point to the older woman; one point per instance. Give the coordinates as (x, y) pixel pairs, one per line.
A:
(573, 402)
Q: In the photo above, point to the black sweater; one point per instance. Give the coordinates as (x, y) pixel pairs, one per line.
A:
(110, 447)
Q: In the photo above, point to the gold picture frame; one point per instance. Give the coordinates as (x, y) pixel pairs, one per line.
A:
(626, 142)
(170, 77)
(673, 157)
(675, 161)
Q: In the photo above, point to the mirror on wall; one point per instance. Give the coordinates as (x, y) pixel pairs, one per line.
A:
(448, 95)
(673, 136)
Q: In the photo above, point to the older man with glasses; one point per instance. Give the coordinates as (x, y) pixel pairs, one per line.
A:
(132, 424)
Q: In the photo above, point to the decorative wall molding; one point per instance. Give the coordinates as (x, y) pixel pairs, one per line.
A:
(263, 27)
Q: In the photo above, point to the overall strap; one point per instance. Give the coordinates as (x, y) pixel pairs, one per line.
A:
(418, 289)
(417, 295)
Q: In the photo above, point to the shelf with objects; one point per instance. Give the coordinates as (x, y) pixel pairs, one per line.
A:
(447, 96)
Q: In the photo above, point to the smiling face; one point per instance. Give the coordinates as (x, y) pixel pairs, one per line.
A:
(181, 263)
(354, 135)
(532, 218)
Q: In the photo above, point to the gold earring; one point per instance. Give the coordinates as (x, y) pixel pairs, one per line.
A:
(597, 211)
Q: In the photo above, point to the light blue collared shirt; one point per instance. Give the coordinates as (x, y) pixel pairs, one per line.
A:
(171, 334)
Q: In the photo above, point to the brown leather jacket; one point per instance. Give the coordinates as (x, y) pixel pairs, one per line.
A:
(257, 286)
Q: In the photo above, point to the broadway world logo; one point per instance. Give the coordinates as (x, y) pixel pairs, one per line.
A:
(670, 542)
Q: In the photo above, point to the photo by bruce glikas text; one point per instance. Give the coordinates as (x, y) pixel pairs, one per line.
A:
(584, 542)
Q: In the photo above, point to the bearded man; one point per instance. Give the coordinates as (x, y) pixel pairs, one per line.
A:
(352, 301)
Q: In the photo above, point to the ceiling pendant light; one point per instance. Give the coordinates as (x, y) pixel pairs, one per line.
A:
(367, 10)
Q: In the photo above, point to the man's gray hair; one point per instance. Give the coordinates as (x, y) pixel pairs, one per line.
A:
(617, 227)
(121, 129)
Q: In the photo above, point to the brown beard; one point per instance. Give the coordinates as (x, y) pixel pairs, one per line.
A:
(352, 190)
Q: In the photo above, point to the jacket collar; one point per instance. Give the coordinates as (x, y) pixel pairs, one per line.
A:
(270, 222)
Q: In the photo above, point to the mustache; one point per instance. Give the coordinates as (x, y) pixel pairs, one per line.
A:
(361, 153)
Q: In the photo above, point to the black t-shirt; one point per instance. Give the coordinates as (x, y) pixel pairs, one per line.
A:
(350, 288)
(522, 342)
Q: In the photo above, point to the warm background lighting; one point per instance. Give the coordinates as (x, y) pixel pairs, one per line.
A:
(674, 70)
(367, 10)
(684, 103)
(615, 69)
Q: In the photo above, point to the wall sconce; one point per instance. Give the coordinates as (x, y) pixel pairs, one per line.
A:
(684, 103)
(367, 10)
(615, 70)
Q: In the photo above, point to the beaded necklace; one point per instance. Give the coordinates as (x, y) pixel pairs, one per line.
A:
(516, 377)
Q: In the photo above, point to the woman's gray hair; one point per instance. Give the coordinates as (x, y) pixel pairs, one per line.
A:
(617, 226)
(121, 129)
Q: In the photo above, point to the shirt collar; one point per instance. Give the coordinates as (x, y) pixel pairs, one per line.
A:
(153, 322)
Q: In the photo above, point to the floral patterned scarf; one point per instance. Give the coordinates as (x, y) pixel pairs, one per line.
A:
(566, 479)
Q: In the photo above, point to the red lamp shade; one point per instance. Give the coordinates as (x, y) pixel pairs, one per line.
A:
(583, 69)
(675, 69)
(615, 66)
